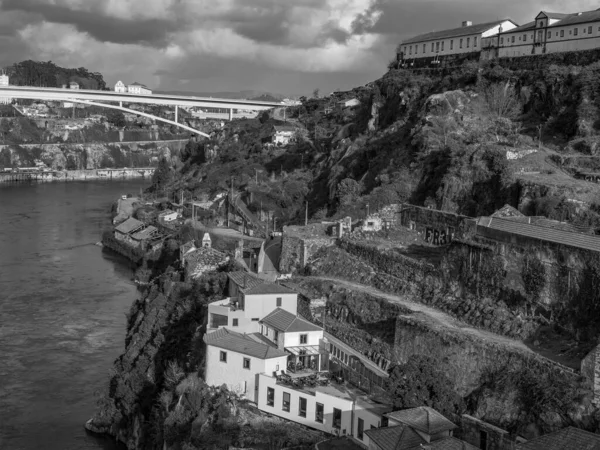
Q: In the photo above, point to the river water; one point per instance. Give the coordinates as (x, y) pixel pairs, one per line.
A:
(62, 311)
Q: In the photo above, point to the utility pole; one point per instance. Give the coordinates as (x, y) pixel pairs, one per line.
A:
(367, 210)
(540, 126)
(306, 214)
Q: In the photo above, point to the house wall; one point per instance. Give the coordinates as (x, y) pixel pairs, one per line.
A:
(497, 438)
(370, 420)
(328, 401)
(258, 306)
(232, 372)
(557, 39)
(293, 339)
(451, 46)
(437, 227)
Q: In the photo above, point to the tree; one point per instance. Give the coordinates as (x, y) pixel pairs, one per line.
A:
(502, 100)
(316, 93)
(162, 174)
(348, 191)
(116, 118)
(423, 382)
(4, 128)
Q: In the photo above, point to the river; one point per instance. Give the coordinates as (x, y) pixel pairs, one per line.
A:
(62, 311)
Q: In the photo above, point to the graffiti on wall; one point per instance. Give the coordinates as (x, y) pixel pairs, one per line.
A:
(437, 237)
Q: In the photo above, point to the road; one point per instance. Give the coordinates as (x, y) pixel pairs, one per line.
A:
(438, 317)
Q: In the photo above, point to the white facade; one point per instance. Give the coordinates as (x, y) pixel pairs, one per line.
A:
(291, 339)
(138, 89)
(329, 402)
(464, 42)
(239, 372)
(3, 80)
(73, 85)
(244, 312)
(120, 87)
(283, 136)
(169, 216)
(349, 103)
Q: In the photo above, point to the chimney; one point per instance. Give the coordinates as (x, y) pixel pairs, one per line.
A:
(467, 23)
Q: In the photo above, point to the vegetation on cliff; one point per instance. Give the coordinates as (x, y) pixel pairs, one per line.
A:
(48, 74)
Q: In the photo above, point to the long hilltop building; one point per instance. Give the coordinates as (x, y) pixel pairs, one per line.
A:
(548, 33)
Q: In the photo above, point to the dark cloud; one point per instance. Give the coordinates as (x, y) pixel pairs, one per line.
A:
(151, 32)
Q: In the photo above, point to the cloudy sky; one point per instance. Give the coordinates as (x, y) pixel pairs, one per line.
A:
(284, 46)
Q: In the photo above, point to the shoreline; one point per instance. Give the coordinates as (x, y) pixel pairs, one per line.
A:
(77, 175)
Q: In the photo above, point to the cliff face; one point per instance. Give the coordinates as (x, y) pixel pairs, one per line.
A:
(89, 156)
(156, 398)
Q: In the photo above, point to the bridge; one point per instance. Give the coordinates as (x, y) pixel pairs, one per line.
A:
(99, 98)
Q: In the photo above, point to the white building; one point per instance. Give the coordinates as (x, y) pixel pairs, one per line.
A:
(3, 79)
(283, 134)
(439, 44)
(235, 359)
(349, 103)
(547, 33)
(168, 216)
(138, 88)
(299, 337)
(73, 85)
(250, 299)
(120, 87)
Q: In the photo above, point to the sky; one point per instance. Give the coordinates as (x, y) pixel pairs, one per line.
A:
(290, 47)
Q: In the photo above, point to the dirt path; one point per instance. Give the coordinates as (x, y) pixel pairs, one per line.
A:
(440, 318)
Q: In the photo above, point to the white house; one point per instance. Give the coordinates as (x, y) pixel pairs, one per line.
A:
(299, 337)
(236, 360)
(3, 79)
(438, 44)
(250, 299)
(73, 85)
(168, 216)
(120, 87)
(138, 88)
(547, 33)
(283, 134)
(348, 103)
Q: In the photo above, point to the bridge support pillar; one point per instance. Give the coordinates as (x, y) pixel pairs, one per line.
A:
(230, 114)
(176, 113)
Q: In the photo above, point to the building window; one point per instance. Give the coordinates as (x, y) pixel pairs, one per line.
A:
(286, 401)
(319, 413)
(524, 38)
(452, 44)
(410, 50)
(590, 29)
(475, 41)
(416, 49)
(424, 48)
(442, 45)
(235, 322)
(512, 39)
(278, 304)
(541, 24)
(437, 46)
(468, 42)
(330, 348)
(483, 438)
(361, 428)
(255, 319)
(223, 357)
(576, 30)
(460, 43)
(304, 338)
(270, 396)
(562, 33)
(432, 49)
(346, 358)
(276, 337)
(302, 407)
(502, 40)
(337, 418)
(247, 363)
(549, 34)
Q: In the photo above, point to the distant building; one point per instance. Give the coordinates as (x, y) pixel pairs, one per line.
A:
(4, 83)
(168, 216)
(569, 437)
(3, 80)
(124, 230)
(198, 261)
(283, 134)
(73, 85)
(206, 241)
(348, 103)
(120, 87)
(138, 88)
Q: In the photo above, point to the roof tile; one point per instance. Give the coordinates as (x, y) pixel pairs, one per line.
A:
(129, 225)
(566, 438)
(285, 321)
(424, 419)
(454, 32)
(241, 343)
(398, 437)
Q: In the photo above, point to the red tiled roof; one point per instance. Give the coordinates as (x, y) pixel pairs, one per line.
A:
(241, 343)
(399, 437)
(576, 18)
(447, 443)
(578, 240)
(244, 279)
(267, 288)
(282, 320)
(567, 438)
(455, 32)
(424, 419)
(146, 233)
